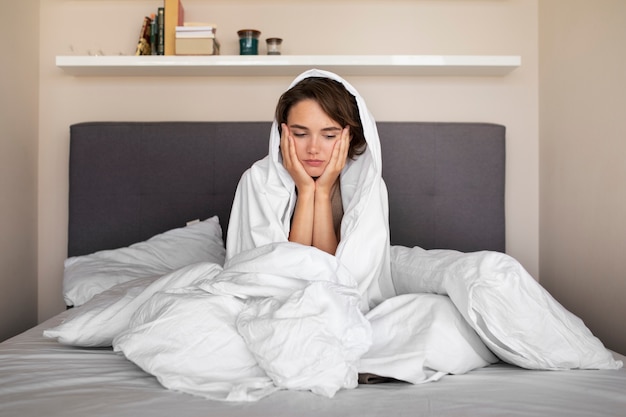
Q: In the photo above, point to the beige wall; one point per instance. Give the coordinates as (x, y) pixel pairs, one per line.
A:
(308, 27)
(19, 80)
(583, 161)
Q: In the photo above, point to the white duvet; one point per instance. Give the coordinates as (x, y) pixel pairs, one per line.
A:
(279, 315)
(260, 324)
(256, 326)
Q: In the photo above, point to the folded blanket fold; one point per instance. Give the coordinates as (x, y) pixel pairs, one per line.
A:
(513, 314)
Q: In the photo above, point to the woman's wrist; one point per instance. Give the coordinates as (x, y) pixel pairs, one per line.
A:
(322, 195)
(306, 190)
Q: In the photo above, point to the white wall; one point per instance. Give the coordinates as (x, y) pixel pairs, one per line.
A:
(307, 27)
(19, 81)
(583, 161)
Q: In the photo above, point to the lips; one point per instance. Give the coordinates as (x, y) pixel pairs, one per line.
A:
(313, 162)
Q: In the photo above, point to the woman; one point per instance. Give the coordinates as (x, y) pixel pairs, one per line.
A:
(320, 185)
(314, 148)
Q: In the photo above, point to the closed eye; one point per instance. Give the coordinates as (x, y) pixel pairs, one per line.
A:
(331, 132)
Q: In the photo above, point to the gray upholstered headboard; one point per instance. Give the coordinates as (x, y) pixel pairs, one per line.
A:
(132, 180)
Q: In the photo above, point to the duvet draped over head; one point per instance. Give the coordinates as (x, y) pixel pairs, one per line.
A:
(266, 196)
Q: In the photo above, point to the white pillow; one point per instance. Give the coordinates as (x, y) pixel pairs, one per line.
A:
(515, 317)
(98, 321)
(88, 275)
(419, 338)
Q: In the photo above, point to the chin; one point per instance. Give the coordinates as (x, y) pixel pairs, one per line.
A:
(315, 173)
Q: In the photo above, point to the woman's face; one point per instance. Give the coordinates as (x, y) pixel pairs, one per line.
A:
(314, 134)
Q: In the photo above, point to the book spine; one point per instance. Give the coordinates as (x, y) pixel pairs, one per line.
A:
(143, 45)
(195, 46)
(153, 34)
(161, 31)
(194, 35)
(174, 16)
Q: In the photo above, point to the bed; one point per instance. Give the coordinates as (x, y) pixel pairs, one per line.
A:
(130, 181)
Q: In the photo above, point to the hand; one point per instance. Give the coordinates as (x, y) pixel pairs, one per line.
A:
(291, 162)
(337, 162)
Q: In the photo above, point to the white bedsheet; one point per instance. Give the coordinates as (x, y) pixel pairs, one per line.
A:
(40, 377)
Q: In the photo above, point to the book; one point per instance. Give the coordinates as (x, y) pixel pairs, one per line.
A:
(174, 16)
(195, 34)
(143, 45)
(199, 24)
(154, 34)
(161, 31)
(194, 28)
(197, 46)
(195, 31)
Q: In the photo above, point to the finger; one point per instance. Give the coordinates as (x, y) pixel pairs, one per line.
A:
(335, 155)
(283, 134)
(293, 156)
(337, 160)
(285, 145)
(345, 139)
(340, 153)
(290, 158)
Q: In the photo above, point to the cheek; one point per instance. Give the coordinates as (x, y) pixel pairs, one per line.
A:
(329, 145)
(301, 148)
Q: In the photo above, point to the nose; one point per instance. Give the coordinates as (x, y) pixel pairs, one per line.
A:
(312, 145)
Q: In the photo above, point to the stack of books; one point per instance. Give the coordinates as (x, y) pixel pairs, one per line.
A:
(157, 36)
(167, 33)
(196, 39)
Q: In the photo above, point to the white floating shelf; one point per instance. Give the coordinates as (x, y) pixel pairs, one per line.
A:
(271, 65)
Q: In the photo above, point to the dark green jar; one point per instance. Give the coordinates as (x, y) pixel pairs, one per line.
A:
(248, 41)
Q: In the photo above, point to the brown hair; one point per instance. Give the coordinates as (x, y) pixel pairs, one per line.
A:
(334, 99)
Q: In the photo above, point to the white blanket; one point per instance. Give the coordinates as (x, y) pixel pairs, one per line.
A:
(281, 316)
(259, 325)
(514, 315)
(286, 316)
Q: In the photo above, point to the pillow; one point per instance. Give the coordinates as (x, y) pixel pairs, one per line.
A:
(99, 320)
(515, 317)
(88, 275)
(419, 338)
